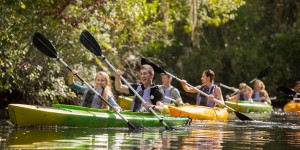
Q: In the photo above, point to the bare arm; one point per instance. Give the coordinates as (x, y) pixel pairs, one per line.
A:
(219, 94)
(266, 97)
(186, 88)
(118, 84)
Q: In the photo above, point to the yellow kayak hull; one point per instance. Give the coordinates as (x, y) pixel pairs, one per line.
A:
(199, 112)
(292, 106)
(125, 102)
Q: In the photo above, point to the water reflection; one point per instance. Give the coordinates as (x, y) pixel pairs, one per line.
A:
(203, 139)
(253, 138)
(280, 131)
(93, 138)
(294, 138)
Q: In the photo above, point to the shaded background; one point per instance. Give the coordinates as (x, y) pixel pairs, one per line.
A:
(237, 39)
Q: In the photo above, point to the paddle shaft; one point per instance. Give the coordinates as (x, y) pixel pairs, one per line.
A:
(132, 89)
(230, 88)
(171, 99)
(253, 80)
(91, 88)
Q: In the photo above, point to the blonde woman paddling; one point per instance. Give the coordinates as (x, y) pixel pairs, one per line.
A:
(259, 92)
(102, 86)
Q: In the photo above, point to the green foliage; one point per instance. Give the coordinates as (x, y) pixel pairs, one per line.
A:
(234, 38)
(261, 38)
(25, 70)
(184, 50)
(259, 34)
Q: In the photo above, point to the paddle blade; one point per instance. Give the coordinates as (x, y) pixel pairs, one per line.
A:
(170, 128)
(44, 45)
(134, 128)
(286, 90)
(242, 116)
(265, 72)
(89, 42)
(155, 67)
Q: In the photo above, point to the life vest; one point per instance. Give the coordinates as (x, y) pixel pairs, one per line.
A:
(242, 96)
(89, 97)
(203, 100)
(256, 96)
(149, 95)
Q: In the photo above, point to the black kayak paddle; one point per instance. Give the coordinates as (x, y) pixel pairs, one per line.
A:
(286, 90)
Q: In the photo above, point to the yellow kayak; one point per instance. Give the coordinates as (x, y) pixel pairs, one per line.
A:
(126, 101)
(292, 106)
(199, 112)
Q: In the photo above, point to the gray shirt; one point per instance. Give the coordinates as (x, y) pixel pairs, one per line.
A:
(171, 92)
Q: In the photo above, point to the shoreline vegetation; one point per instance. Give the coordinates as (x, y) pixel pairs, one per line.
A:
(183, 37)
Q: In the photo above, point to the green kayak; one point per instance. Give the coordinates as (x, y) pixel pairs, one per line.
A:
(247, 107)
(76, 116)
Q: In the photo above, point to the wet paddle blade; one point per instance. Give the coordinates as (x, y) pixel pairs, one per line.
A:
(242, 116)
(134, 128)
(155, 67)
(286, 90)
(170, 128)
(265, 72)
(44, 45)
(88, 41)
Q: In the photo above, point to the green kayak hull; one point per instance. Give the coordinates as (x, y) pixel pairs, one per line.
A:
(76, 116)
(247, 107)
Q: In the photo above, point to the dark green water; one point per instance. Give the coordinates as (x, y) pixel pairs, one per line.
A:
(271, 131)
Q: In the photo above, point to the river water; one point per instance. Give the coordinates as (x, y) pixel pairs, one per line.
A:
(277, 130)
